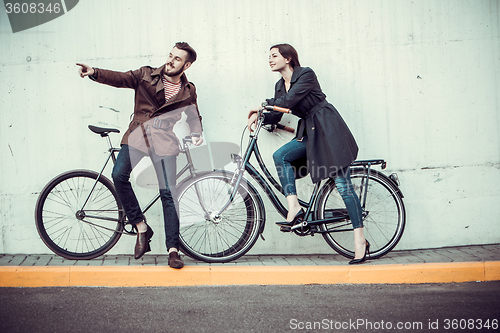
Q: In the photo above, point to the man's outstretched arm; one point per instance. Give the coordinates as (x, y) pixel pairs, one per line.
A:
(112, 78)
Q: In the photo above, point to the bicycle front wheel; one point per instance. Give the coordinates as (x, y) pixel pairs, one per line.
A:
(384, 214)
(213, 238)
(79, 216)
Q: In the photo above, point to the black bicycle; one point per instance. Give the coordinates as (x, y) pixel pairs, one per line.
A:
(222, 213)
(78, 214)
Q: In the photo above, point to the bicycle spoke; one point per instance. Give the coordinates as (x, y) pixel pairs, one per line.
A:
(384, 220)
(207, 235)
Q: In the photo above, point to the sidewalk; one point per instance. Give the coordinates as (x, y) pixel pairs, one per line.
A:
(443, 265)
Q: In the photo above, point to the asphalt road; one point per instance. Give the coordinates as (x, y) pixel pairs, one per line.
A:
(463, 307)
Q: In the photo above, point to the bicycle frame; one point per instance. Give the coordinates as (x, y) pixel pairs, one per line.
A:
(112, 156)
(244, 164)
(188, 167)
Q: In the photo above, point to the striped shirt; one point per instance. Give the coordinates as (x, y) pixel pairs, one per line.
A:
(171, 89)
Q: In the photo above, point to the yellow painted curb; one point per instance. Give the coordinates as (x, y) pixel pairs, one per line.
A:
(143, 276)
(492, 271)
(44, 276)
(419, 273)
(138, 276)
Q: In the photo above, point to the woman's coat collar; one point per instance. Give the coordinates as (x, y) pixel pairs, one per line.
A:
(295, 76)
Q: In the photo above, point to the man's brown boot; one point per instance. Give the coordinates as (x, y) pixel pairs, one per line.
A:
(174, 260)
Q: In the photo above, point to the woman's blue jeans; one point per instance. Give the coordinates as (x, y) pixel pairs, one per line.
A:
(165, 168)
(294, 150)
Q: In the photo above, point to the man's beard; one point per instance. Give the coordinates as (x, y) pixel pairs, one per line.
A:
(171, 72)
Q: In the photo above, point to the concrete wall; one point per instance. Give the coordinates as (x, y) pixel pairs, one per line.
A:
(416, 81)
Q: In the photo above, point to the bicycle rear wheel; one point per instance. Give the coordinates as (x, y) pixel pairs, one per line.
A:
(77, 217)
(384, 214)
(217, 239)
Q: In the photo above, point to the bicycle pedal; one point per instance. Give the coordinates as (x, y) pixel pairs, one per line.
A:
(284, 223)
(284, 228)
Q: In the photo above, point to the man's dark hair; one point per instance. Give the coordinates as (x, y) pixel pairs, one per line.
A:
(186, 47)
(288, 52)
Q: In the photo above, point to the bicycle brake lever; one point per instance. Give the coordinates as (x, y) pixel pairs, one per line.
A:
(278, 135)
(271, 129)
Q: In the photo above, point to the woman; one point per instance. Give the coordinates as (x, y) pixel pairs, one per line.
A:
(323, 140)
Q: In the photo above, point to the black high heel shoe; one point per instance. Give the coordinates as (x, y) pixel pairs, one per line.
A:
(142, 244)
(286, 226)
(358, 261)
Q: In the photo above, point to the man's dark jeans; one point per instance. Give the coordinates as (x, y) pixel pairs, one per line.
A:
(165, 167)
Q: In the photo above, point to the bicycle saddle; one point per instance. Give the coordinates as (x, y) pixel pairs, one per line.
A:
(102, 130)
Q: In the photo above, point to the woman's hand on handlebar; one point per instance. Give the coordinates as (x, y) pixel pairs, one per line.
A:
(253, 114)
(252, 119)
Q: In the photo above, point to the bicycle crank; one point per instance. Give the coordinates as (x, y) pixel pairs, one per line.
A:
(301, 229)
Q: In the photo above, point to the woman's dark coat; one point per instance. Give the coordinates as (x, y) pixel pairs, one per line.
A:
(330, 144)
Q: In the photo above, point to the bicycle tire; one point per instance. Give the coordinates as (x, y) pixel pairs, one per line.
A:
(213, 239)
(70, 232)
(384, 217)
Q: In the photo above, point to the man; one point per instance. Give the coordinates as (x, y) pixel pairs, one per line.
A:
(161, 96)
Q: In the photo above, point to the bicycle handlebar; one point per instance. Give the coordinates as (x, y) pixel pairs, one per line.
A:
(277, 108)
(285, 128)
